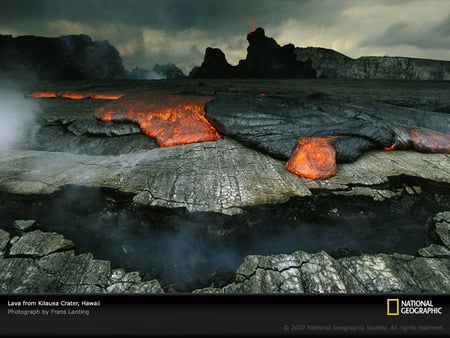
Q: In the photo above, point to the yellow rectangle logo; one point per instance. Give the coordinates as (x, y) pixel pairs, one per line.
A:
(393, 307)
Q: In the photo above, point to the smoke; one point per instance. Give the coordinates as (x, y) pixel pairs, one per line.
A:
(16, 116)
(152, 75)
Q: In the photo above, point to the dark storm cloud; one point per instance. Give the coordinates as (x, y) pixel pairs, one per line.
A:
(160, 31)
(423, 36)
(172, 15)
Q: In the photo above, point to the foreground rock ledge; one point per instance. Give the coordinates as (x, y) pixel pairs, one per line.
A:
(302, 272)
(221, 176)
(37, 262)
(60, 270)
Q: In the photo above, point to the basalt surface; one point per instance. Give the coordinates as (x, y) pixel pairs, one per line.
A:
(33, 261)
(302, 272)
(220, 176)
(66, 146)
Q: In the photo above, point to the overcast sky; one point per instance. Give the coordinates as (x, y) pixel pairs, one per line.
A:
(147, 32)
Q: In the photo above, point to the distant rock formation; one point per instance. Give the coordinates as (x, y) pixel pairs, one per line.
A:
(170, 71)
(265, 59)
(215, 65)
(63, 58)
(331, 64)
(159, 72)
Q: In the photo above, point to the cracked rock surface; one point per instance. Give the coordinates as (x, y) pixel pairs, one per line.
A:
(301, 272)
(219, 176)
(68, 146)
(45, 262)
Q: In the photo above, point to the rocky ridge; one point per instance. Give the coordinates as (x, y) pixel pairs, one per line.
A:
(266, 59)
(302, 272)
(65, 57)
(33, 261)
(331, 64)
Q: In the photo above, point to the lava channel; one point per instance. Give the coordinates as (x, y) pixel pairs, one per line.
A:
(75, 95)
(420, 139)
(314, 158)
(171, 119)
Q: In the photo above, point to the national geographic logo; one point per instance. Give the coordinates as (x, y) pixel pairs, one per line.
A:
(396, 307)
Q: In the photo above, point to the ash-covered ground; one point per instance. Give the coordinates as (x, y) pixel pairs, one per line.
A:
(189, 215)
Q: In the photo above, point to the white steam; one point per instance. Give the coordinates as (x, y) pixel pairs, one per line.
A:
(16, 116)
(152, 75)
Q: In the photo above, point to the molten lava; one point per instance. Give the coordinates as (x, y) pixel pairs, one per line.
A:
(42, 95)
(170, 118)
(76, 95)
(314, 158)
(106, 96)
(420, 139)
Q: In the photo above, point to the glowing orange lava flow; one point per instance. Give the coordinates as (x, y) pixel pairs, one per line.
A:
(76, 95)
(314, 158)
(42, 95)
(420, 139)
(170, 118)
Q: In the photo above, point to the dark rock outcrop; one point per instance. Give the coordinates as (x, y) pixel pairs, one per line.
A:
(44, 262)
(65, 57)
(215, 65)
(159, 72)
(274, 125)
(90, 137)
(331, 64)
(265, 59)
(302, 272)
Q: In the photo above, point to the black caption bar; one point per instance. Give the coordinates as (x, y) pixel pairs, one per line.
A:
(224, 315)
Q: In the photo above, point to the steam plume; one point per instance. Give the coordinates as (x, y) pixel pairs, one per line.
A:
(16, 115)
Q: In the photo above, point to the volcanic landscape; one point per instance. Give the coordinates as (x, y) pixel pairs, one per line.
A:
(189, 214)
(296, 171)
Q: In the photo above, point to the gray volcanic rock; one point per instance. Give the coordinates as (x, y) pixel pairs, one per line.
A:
(273, 125)
(439, 229)
(90, 137)
(24, 225)
(4, 239)
(434, 250)
(302, 272)
(220, 176)
(38, 244)
(217, 176)
(332, 64)
(31, 265)
(377, 166)
(65, 57)
(95, 127)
